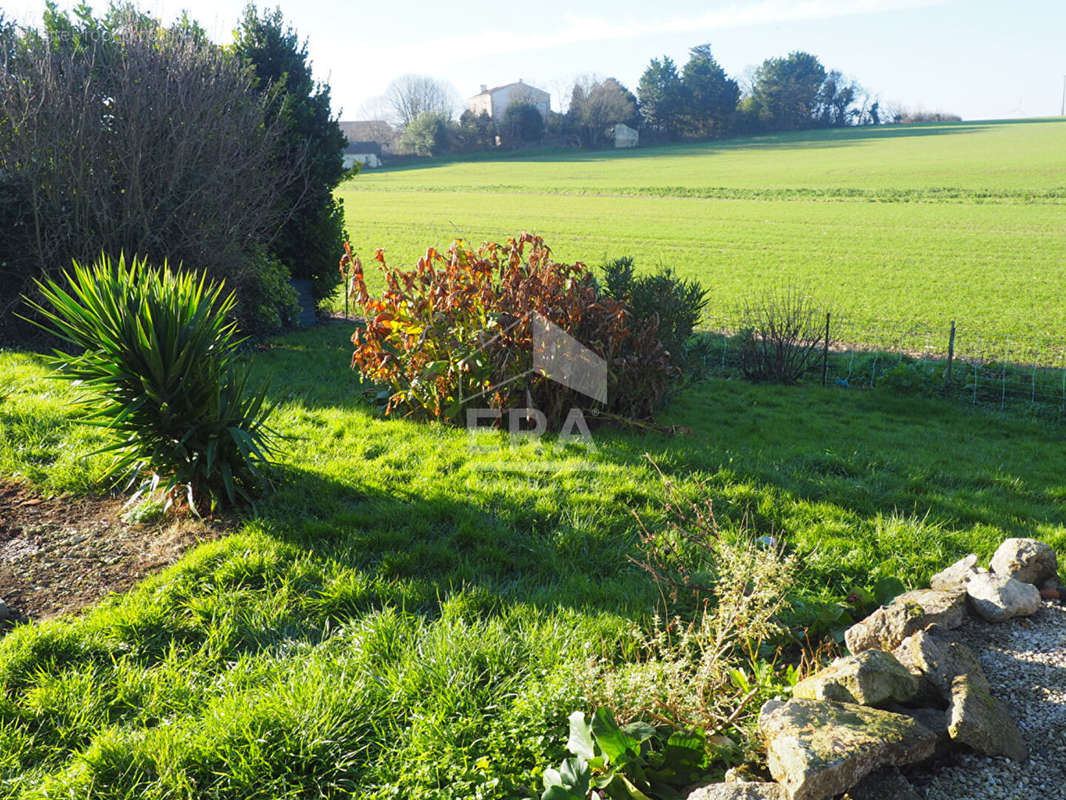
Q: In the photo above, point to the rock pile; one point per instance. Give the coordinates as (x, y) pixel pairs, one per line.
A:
(909, 689)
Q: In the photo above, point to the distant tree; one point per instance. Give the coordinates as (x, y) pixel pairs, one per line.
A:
(313, 234)
(786, 91)
(875, 113)
(578, 94)
(377, 108)
(711, 94)
(598, 106)
(836, 98)
(662, 96)
(634, 120)
(427, 135)
(522, 123)
(907, 116)
(475, 132)
(412, 95)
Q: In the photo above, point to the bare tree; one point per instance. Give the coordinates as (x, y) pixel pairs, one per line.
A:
(411, 95)
(377, 108)
(576, 87)
(145, 141)
(561, 89)
(595, 106)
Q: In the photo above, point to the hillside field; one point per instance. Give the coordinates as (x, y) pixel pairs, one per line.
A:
(893, 228)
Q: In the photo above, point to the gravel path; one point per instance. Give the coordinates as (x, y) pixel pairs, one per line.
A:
(1025, 661)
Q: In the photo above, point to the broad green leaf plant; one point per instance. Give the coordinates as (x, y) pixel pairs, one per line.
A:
(626, 762)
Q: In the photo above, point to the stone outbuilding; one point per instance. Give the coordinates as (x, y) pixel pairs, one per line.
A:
(624, 136)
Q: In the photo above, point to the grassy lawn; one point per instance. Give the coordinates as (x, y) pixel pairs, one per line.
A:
(894, 228)
(409, 615)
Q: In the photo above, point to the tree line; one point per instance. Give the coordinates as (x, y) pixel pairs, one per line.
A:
(697, 101)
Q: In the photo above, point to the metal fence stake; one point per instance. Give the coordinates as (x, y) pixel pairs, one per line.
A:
(825, 352)
(1003, 379)
(951, 357)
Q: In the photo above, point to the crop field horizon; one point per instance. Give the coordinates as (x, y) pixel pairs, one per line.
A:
(892, 228)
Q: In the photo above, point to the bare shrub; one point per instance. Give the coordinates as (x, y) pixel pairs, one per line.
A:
(694, 664)
(780, 333)
(907, 116)
(122, 136)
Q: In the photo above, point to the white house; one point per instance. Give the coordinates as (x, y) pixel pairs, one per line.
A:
(365, 154)
(368, 141)
(494, 102)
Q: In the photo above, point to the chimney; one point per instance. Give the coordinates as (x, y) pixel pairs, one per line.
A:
(484, 88)
(519, 80)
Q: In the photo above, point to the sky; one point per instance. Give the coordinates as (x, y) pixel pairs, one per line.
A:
(981, 59)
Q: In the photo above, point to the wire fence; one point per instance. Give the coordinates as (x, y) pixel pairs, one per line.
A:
(949, 360)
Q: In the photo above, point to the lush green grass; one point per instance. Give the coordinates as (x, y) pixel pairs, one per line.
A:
(408, 615)
(968, 223)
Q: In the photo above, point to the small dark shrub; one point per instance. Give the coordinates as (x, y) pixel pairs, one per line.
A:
(675, 302)
(427, 135)
(457, 331)
(780, 334)
(523, 124)
(270, 297)
(618, 277)
(914, 378)
(158, 355)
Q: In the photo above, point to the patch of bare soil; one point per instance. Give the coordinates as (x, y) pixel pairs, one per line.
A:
(61, 554)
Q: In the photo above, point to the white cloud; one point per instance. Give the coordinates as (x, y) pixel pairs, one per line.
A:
(576, 29)
(736, 15)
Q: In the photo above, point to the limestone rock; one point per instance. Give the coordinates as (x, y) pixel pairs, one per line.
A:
(883, 785)
(938, 661)
(998, 598)
(870, 678)
(982, 721)
(740, 791)
(1025, 560)
(956, 575)
(912, 611)
(818, 749)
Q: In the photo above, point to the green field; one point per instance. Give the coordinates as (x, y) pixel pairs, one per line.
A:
(896, 229)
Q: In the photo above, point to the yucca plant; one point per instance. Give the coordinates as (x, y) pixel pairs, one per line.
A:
(159, 363)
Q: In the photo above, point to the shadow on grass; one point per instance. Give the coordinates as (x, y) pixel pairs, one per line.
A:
(311, 367)
(824, 465)
(426, 546)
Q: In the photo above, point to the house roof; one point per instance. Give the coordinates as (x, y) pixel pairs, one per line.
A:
(371, 130)
(363, 147)
(495, 89)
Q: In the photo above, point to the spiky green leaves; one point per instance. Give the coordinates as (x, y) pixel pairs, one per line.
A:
(159, 364)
